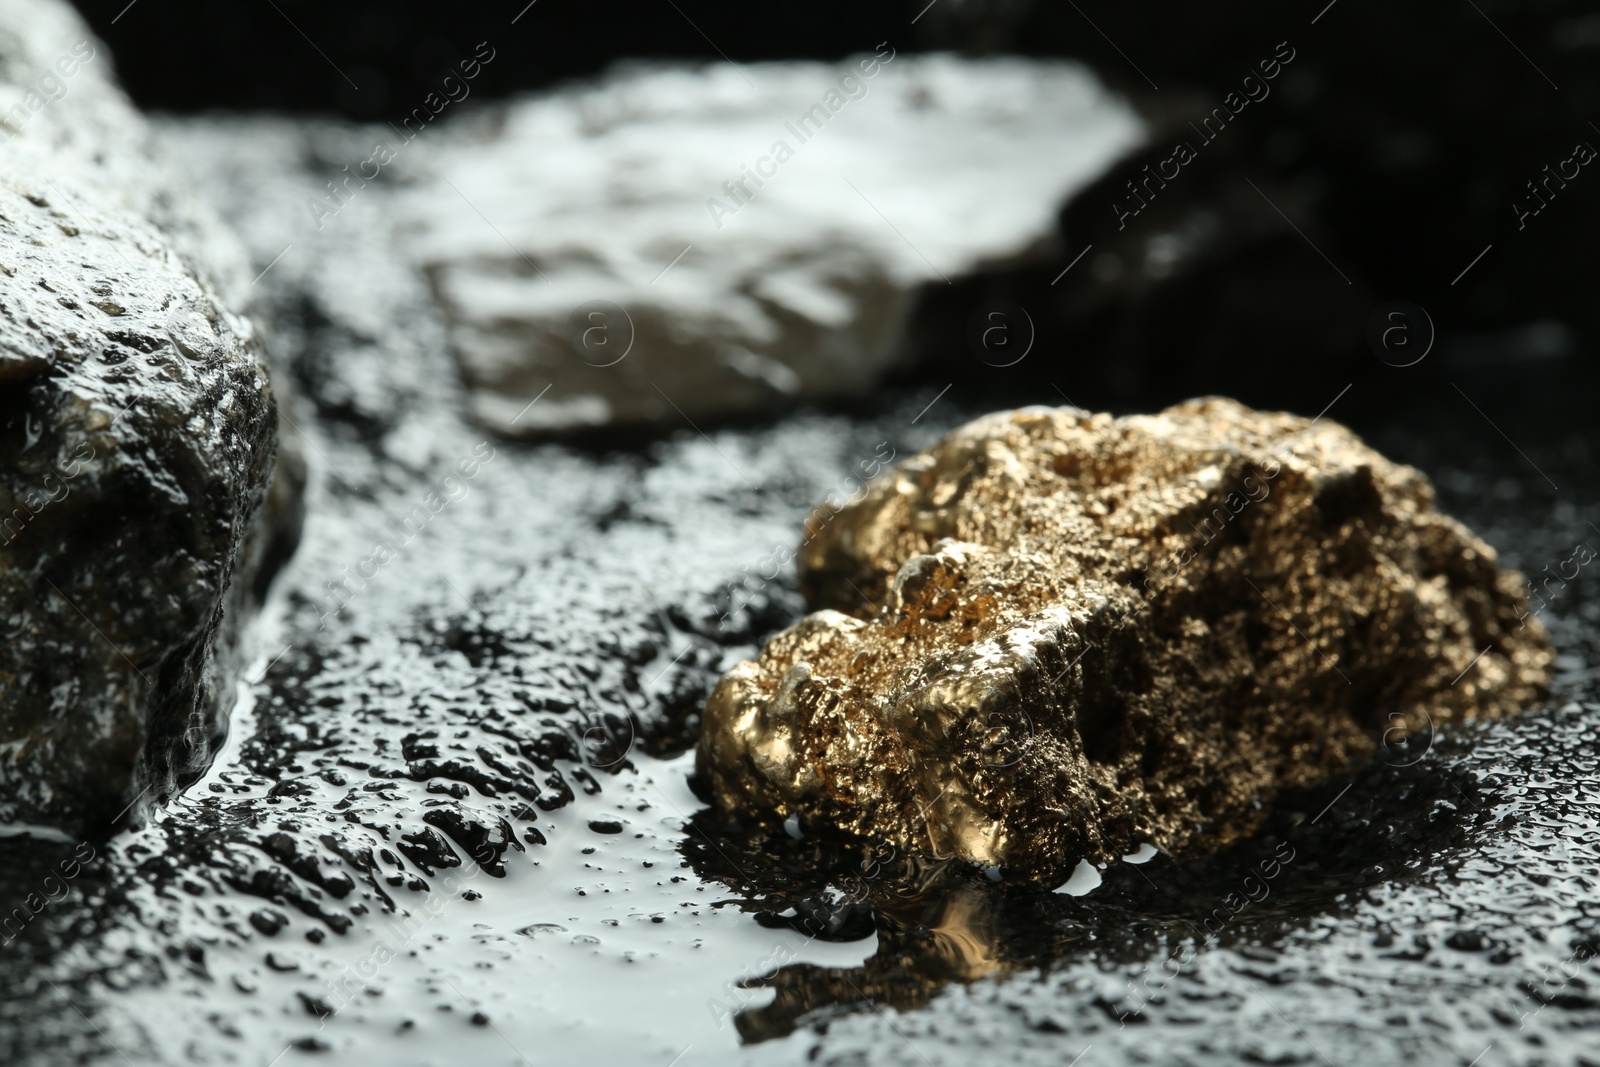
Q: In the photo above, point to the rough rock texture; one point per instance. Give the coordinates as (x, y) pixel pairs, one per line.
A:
(1070, 634)
(596, 243)
(137, 444)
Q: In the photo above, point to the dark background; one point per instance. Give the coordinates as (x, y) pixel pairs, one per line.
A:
(1388, 156)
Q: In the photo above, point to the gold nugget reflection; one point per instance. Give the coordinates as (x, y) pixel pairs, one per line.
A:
(924, 944)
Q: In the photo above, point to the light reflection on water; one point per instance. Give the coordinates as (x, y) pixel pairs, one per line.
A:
(602, 947)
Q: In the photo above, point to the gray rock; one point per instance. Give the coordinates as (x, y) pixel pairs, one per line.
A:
(694, 243)
(138, 435)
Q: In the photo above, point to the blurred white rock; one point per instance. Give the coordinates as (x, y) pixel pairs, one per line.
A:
(677, 244)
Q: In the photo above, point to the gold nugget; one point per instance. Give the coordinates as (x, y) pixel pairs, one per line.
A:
(1056, 635)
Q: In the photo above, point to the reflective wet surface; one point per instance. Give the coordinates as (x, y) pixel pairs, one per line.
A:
(455, 821)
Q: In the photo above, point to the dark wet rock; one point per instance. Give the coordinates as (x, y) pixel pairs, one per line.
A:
(1069, 635)
(268, 920)
(138, 436)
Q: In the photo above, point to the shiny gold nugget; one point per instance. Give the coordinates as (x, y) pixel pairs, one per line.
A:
(1054, 636)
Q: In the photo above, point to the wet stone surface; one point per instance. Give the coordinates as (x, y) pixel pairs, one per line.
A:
(466, 705)
(139, 515)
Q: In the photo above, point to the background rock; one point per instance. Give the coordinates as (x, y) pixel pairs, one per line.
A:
(598, 243)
